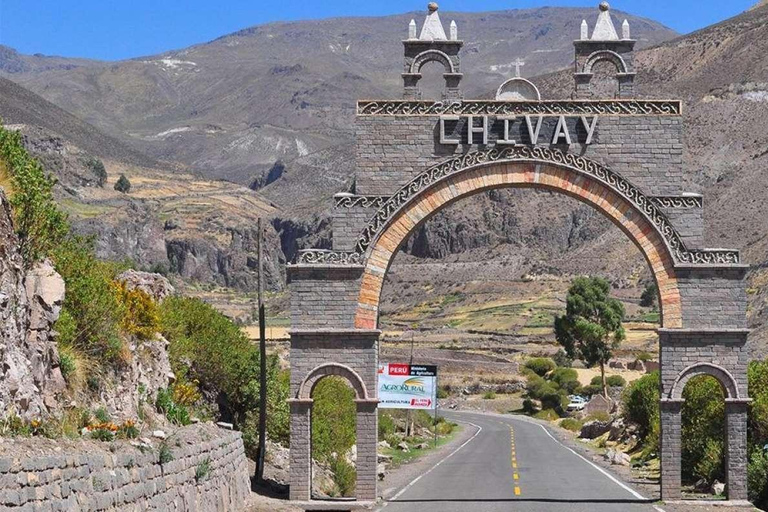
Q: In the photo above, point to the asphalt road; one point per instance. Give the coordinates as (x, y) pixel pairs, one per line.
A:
(515, 465)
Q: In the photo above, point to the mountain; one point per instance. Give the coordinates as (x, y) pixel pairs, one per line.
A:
(232, 107)
(20, 106)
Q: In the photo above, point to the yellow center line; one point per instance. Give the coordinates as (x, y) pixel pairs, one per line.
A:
(515, 474)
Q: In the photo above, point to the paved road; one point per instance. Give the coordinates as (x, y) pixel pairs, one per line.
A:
(514, 465)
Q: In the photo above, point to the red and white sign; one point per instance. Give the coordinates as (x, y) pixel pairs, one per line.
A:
(407, 386)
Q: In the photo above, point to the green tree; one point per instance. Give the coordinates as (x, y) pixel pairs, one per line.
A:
(650, 296)
(591, 327)
(122, 184)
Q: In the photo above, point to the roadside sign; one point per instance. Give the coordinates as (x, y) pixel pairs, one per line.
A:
(407, 386)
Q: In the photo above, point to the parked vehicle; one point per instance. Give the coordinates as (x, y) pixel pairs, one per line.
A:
(576, 403)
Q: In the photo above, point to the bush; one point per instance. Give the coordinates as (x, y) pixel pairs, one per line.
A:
(540, 365)
(489, 395)
(97, 168)
(538, 387)
(344, 476)
(547, 414)
(591, 390)
(443, 392)
(703, 424)
(644, 357)
(757, 477)
(554, 400)
(641, 403)
(122, 184)
(39, 223)
(333, 418)
(650, 295)
(91, 313)
(176, 414)
(386, 425)
(140, 314)
(529, 407)
(566, 378)
(612, 381)
(571, 424)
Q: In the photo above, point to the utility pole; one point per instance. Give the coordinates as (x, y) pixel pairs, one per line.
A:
(262, 364)
(408, 429)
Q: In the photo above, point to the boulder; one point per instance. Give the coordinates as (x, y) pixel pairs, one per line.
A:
(598, 404)
(618, 365)
(384, 458)
(594, 429)
(617, 429)
(617, 458)
(154, 285)
(384, 444)
(718, 488)
(403, 446)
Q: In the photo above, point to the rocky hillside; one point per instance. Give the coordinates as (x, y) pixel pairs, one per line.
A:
(232, 107)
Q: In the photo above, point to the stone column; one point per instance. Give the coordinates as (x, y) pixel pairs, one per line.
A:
(301, 450)
(736, 448)
(670, 449)
(367, 458)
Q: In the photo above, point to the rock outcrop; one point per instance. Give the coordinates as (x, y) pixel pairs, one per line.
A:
(30, 303)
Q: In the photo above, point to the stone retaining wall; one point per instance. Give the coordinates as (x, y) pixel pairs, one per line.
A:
(208, 472)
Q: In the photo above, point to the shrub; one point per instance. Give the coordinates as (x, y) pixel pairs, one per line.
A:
(554, 400)
(703, 424)
(97, 168)
(571, 424)
(600, 416)
(39, 223)
(344, 476)
(611, 380)
(128, 430)
(757, 477)
(386, 425)
(67, 364)
(140, 314)
(529, 407)
(176, 414)
(442, 392)
(591, 390)
(650, 295)
(546, 414)
(537, 387)
(540, 365)
(203, 470)
(644, 356)
(165, 454)
(641, 403)
(91, 312)
(122, 184)
(566, 378)
(489, 395)
(101, 415)
(333, 418)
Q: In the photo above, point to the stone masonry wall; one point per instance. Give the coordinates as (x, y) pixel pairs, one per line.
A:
(646, 150)
(323, 297)
(208, 472)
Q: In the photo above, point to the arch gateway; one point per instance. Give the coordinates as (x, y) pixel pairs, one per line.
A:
(621, 155)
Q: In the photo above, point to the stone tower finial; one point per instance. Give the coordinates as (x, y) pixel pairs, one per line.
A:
(625, 30)
(454, 31)
(584, 30)
(604, 29)
(412, 29)
(433, 27)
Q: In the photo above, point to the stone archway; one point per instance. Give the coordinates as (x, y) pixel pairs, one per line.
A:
(391, 226)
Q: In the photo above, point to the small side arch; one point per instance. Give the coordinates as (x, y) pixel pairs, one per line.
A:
(601, 55)
(325, 370)
(722, 375)
(432, 56)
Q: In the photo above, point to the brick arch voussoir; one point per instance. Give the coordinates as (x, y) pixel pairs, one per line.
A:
(477, 179)
(332, 369)
(723, 376)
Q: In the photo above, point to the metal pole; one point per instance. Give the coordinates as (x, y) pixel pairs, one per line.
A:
(262, 364)
(437, 384)
(408, 411)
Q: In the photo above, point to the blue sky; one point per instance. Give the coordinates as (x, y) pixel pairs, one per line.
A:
(118, 29)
